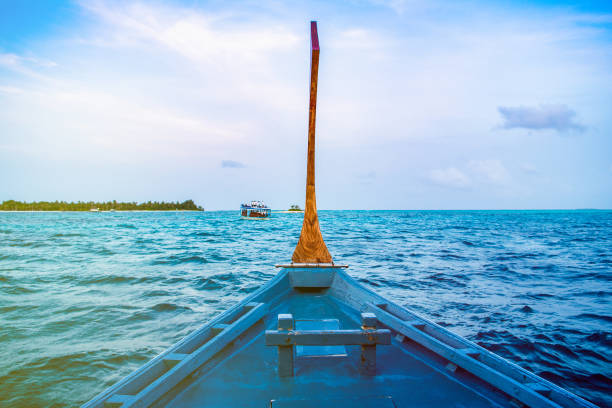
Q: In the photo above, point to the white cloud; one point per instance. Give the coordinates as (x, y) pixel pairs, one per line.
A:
(27, 66)
(489, 171)
(232, 164)
(366, 178)
(450, 177)
(9, 60)
(195, 34)
(529, 168)
(358, 39)
(11, 90)
(402, 6)
(161, 80)
(475, 173)
(557, 117)
(18, 61)
(110, 124)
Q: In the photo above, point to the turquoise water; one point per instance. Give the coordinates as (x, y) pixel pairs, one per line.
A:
(85, 298)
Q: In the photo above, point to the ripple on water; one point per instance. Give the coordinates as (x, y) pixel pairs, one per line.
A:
(30, 244)
(180, 259)
(208, 284)
(67, 235)
(445, 279)
(126, 226)
(534, 296)
(17, 290)
(215, 282)
(155, 293)
(593, 316)
(108, 279)
(601, 338)
(170, 307)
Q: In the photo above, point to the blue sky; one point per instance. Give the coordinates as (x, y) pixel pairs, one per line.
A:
(422, 104)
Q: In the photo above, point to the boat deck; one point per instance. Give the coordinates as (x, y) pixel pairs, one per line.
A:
(248, 376)
(235, 359)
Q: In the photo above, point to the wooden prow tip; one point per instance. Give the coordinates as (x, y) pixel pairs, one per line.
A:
(311, 248)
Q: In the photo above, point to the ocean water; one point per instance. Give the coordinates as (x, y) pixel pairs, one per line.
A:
(86, 298)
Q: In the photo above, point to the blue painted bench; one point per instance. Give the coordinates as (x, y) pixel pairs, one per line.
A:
(286, 338)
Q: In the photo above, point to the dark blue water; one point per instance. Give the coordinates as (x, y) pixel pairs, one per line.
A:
(85, 298)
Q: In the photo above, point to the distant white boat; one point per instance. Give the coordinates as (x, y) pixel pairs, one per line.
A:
(255, 209)
(95, 210)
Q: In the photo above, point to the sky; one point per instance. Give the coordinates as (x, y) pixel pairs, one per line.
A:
(421, 104)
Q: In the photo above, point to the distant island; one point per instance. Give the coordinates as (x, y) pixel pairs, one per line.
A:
(12, 205)
(295, 207)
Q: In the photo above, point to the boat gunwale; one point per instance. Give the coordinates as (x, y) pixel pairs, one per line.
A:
(100, 399)
(566, 395)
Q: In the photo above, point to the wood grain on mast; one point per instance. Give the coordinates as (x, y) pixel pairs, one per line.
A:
(311, 248)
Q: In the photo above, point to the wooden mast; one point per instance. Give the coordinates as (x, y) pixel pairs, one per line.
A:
(311, 248)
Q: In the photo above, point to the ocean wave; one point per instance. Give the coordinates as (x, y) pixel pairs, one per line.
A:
(370, 282)
(126, 226)
(66, 235)
(535, 296)
(174, 280)
(17, 308)
(28, 244)
(103, 252)
(600, 337)
(107, 279)
(208, 284)
(9, 257)
(512, 256)
(200, 234)
(593, 316)
(170, 307)
(17, 290)
(155, 293)
(216, 282)
(447, 280)
(594, 293)
(177, 260)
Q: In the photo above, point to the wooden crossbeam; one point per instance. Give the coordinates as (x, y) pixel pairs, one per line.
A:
(286, 338)
(328, 337)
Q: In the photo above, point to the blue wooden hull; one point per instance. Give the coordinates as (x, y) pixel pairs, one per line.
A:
(227, 363)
